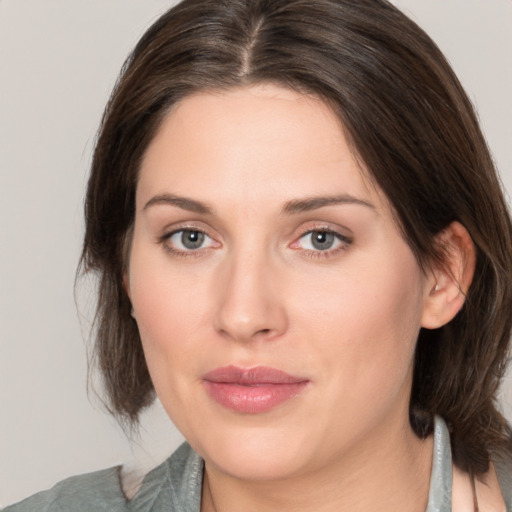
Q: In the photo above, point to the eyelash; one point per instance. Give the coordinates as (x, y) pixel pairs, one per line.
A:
(344, 242)
(164, 241)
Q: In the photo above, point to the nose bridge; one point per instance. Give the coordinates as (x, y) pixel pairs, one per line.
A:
(249, 304)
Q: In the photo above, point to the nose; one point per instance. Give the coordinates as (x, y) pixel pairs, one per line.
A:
(249, 304)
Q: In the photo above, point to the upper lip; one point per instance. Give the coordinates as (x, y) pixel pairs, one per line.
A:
(251, 376)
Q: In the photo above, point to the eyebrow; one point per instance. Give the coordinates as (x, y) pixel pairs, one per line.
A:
(314, 203)
(292, 207)
(181, 202)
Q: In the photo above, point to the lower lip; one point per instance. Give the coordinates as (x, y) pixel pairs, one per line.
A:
(252, 399)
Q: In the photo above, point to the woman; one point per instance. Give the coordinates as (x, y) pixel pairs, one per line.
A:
(303, 249)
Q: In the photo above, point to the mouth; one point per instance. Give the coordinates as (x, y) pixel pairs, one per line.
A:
(252, 390)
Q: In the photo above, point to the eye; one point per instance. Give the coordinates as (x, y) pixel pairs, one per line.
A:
(186, 240)
(322, 240)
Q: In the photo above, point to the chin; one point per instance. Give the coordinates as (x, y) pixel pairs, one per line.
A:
(254, 453)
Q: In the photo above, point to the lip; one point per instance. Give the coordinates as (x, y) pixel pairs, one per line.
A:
(252, 390)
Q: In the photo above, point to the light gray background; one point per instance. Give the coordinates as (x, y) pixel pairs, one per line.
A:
(58, 63)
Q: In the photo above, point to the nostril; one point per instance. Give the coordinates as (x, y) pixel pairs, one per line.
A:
(264, 331)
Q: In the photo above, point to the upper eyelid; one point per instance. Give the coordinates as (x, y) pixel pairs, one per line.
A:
(343, 238)
(326, 230)
(341, 231)
(171, 230)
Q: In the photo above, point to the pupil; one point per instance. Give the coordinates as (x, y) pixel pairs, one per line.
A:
(322, 240)
(192, 239)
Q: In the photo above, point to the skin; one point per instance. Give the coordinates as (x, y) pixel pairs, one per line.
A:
(258, 292)
(487, 490)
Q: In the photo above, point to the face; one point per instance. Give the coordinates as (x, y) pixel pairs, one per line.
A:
(277, 302)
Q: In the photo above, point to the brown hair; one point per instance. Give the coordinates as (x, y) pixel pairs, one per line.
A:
(408, 120)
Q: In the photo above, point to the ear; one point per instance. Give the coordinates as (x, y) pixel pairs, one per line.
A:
(448, 283)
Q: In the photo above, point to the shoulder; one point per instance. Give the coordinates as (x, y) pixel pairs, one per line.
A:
(503, 466)
(174, 485)
(99, 491)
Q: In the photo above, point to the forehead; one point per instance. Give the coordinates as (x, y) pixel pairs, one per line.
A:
(258, 143)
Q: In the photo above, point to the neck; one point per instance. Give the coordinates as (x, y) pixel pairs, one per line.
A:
(387, 473)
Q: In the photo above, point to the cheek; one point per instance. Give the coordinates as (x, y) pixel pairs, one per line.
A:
(365, 324)
(169, 307)
(166, 295)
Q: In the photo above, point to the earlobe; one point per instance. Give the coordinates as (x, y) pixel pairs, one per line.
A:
(449, 282)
